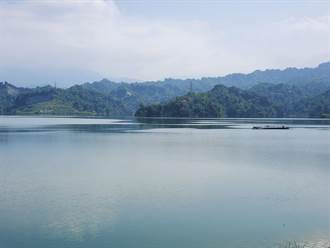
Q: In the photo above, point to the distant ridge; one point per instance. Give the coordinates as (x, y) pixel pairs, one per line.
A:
(232, 102)
(281, 88)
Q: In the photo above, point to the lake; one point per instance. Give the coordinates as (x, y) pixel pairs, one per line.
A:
(160, 183)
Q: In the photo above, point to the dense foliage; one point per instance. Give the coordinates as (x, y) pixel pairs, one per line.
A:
(285, 97)
(318, 106)
(221, 101)
(270, 93)
(266, 100)
(49, 100)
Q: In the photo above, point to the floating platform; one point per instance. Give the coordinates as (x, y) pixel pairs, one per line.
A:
(271, 127)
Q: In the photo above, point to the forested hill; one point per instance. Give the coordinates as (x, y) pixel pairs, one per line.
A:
(49, 100)
(285, 90)
(318, 76)
(221, 101)
(293, 76)
(317, 106)
(233, 102)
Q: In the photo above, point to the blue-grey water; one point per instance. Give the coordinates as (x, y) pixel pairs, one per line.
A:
(160, 183)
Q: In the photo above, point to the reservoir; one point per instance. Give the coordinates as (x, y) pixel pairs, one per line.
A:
(160, 183)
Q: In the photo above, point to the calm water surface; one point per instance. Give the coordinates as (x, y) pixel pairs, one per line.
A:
(152, 183)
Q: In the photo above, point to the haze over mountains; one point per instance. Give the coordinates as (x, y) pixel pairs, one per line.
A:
(270, 93)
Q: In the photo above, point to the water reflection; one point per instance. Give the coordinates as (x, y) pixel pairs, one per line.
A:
(162, 183)
(37, 124)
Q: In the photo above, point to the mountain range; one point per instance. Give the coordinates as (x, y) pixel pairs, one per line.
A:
(271, 93)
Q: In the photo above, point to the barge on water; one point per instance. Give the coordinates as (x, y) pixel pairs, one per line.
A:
(271, 127)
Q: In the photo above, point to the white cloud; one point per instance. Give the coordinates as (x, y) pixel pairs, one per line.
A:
(96, 36)
(308, 24)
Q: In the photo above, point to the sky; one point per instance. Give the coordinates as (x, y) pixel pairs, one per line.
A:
(74, 41)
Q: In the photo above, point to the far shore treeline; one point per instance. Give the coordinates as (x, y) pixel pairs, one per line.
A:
(271, 93)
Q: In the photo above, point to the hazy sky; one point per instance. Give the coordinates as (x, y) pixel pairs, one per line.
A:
(74, 41)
